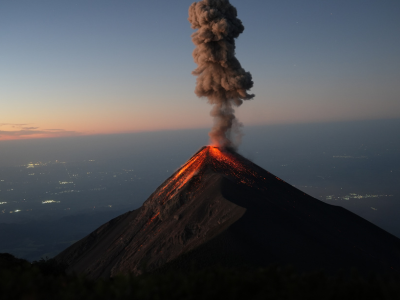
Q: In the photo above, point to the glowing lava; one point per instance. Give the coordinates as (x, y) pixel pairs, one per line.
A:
(220, 161)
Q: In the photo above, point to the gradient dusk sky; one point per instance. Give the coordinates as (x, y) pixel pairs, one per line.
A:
(93, 67)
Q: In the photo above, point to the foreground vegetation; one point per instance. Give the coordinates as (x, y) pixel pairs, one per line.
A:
(20, 279)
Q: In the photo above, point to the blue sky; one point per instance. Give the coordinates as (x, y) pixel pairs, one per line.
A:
(89, 67)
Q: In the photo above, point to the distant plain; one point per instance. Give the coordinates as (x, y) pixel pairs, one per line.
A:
(88, 180)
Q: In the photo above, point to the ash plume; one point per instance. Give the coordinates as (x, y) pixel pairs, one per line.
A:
(221, 78)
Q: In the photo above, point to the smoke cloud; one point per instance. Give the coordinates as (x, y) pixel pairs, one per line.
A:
(221, 78)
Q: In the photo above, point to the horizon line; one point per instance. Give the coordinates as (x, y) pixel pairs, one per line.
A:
(83, 134)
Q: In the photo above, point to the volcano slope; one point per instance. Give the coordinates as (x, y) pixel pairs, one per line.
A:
(220, 208)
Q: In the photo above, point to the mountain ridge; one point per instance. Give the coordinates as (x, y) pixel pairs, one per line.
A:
(221, 199)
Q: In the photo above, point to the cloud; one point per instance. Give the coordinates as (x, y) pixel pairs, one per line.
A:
(23, 131)
(29, 128)
(54, 129)
(12, 124)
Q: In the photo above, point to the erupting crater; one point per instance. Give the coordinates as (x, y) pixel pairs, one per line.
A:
(209, 157)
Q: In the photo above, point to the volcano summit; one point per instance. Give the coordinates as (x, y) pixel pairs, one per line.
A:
(220, 208)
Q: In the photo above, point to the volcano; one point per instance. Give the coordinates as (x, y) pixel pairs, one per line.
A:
(220, 208)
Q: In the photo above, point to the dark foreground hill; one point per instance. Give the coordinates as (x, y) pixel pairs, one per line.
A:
(20, 279)
(219, 208)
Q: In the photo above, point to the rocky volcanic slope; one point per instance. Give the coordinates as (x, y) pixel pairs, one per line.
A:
(221, 208)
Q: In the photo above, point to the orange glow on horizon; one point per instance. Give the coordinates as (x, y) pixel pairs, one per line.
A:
(34, 136)
(38, 133)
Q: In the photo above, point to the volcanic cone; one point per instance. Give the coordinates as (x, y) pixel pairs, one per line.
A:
(220, 208)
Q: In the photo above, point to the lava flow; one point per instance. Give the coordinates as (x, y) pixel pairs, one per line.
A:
(221, 161)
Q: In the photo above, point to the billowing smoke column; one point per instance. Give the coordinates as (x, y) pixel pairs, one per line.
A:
(221, 78)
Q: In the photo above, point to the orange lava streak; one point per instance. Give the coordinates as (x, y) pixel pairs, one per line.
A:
(231, 166)
(182, 177)
(152, 219)
(221, 161)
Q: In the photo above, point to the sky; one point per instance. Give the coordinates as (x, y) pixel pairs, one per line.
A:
(81, 67)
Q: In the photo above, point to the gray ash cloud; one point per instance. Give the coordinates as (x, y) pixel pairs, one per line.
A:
(220, 77)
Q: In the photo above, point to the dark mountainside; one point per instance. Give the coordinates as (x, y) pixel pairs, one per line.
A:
(220, 208)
